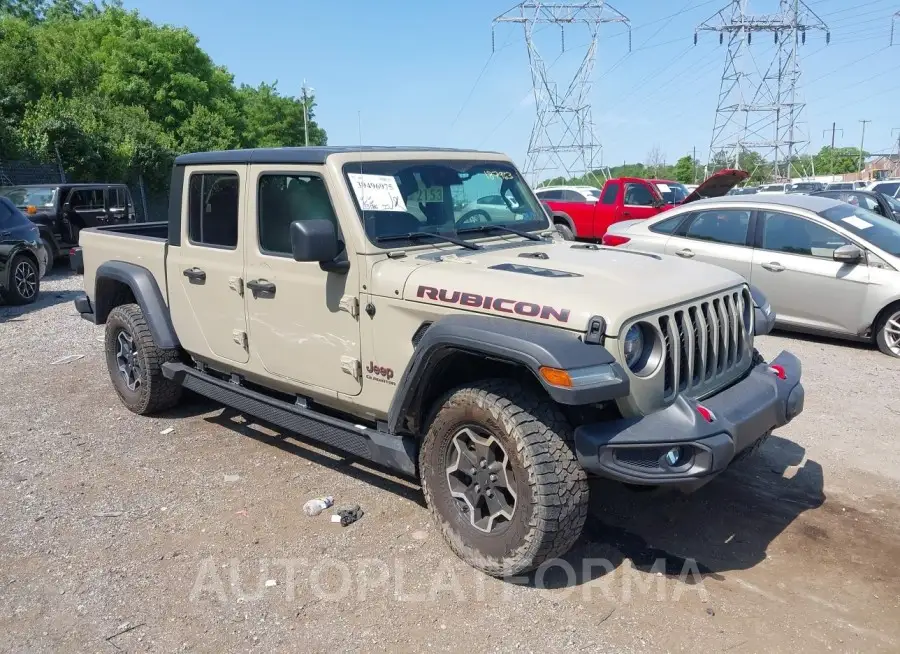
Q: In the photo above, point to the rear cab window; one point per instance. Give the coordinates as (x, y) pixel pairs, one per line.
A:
(610, 193)
(213, 201)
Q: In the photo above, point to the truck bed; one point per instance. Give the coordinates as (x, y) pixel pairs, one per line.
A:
(141, 244)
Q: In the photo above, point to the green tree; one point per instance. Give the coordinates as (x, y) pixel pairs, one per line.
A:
(834, 161)
(685, 169)
(273, 120)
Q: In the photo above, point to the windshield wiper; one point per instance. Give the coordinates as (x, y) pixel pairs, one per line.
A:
(500, 228)
(417, 235)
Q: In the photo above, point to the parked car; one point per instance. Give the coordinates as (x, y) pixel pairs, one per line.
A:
(827, 267)
(846, 186)
(479, 358)
(883, 205)
(489, 207)
(568, 193)
(743, 190)
(61, 211)
(888, 187)
(806, 187)
(22, 258)
(775, 188)
(627, 198)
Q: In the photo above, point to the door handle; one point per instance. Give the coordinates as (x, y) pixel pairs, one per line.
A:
(686, 253)
(261, 286)
(626, 213)
(195, 274)
(773, 266)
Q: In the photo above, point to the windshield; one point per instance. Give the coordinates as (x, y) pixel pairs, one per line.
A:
(672, 192)
(881, 232)
(441, 197)
(894, 204)
(25, 196)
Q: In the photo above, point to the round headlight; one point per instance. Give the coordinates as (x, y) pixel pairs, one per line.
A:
(634, 346)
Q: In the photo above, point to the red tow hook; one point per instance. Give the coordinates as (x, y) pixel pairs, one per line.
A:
(705, 413)
(778, 371)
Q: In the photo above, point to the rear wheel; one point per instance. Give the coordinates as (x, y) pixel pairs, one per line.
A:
(24, 281)
(135, 362)
(565, 231)
(501, 479)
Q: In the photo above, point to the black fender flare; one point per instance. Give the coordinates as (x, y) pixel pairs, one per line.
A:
(763, 314)
(528, 345)
(147, 294)
(566, 218)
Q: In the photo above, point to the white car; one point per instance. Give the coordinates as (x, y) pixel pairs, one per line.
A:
(568, 193)
(826, 266)
(887, 186)
(774, 188)
(487, 209)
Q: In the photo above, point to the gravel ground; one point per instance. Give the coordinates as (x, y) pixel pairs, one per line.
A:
(116, 534)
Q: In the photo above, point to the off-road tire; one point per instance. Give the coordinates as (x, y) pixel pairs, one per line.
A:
(879, 330)
(565, 231)
(12, 295)
(552, 489)
(154, 393)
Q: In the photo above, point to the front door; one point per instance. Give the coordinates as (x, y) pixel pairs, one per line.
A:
(85, 207)
(204, 271)
(717, 236)
(796, 270)
(303, 321)
(638, 202)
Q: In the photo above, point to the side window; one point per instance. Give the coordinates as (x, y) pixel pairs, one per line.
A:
(887, 189)
(667, 226)
(550, 195)
(116, 197)
(795, 235)
(213, 209)
(610, 192)
(728, 226)
(572, 196)
(638, 195)
(87, 199)
(283, 199)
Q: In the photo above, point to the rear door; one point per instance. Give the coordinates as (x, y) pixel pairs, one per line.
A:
(795, 268)
(205, 269)
(718, 236)
(86, 208)
(119, 209)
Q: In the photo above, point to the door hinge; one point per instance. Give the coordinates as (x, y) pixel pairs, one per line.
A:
(240, 337)
(350, 304)
(352, 367)
(236, 284)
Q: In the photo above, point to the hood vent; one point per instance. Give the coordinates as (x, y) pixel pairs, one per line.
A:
(594, 246)
(531, 270)
(534, 255)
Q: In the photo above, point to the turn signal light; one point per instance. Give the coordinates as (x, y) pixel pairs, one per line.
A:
(556, 377)
(613, 240)
(31, 209)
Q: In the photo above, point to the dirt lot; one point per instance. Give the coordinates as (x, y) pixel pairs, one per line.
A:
(117, 536)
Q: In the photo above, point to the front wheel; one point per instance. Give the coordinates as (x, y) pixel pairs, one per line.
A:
(565, 231)
(501, 479)
(887, 332)
(135, 362)
(24, 282)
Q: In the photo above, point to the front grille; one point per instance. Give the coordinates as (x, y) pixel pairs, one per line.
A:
(706, 342)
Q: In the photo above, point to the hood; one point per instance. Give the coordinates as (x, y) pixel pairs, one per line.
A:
(717, 184)
(562, 284)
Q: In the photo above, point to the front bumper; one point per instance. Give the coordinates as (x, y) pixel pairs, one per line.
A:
(633, 450)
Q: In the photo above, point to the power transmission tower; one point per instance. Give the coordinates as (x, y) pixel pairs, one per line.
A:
(563, 140)
(758, 108)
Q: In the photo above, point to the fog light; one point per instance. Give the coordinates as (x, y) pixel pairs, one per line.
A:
(673, 456)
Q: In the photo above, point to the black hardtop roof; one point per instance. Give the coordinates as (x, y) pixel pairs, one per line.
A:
(300, 155)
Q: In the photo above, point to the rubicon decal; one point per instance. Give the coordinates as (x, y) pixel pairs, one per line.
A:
(499, 304)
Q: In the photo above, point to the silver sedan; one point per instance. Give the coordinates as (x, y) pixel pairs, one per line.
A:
(827, 267)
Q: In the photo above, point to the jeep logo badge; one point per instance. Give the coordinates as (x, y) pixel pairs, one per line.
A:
(380, 373)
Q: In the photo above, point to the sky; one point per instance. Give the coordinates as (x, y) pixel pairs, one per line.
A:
(423, 72)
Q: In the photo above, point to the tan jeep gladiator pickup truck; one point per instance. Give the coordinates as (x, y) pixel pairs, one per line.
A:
(414, 308)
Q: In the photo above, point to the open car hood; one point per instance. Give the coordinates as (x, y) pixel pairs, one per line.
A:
(717, 184)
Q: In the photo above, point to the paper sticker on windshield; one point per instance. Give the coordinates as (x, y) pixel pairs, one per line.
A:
(857, 222)
(663, 188)
(376, 192)
(431, 195)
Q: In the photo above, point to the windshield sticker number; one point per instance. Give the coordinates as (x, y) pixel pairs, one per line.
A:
(430, 195)
(857, 222)
(501, 174)
(663, 188)
(376, 192)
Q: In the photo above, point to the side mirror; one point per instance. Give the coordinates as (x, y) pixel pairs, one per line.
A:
(848, 254)
(67, 207)
(659, 204)
(316, 240)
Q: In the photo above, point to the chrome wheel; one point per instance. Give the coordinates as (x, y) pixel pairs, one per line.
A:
(481, 479)
(892, 333)
(25, 277)
(127, 360)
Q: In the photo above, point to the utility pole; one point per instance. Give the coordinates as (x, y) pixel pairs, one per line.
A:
(694, 164)
(831, 154)
(306, 113)
(862, 142)
(897, 162)
(563, 139)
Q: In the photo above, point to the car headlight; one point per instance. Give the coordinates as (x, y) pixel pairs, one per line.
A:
(634, 346)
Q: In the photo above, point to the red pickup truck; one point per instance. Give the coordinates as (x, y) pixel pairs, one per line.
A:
(585, 216)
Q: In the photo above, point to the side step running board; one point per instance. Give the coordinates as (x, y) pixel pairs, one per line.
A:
(394, 452)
